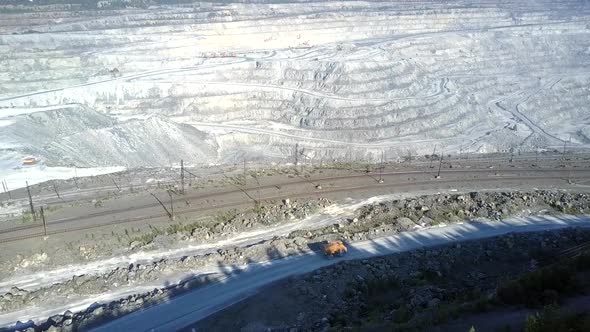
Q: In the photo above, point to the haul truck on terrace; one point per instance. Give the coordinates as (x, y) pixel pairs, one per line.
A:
(334, 248)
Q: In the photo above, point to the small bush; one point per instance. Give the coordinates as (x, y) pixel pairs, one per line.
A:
(378, 286)
(338, 320)
(583, 262)
(552, 320)
(539, 287)
(402, 315)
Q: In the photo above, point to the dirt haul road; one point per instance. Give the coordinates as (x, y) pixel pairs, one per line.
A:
(186, 309)
(145, 208)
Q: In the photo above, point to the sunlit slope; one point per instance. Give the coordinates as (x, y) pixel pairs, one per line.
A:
(73, 136)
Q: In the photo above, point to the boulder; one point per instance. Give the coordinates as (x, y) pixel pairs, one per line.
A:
(98, 311)
(56, 320)
(425, 221)
(405, 224)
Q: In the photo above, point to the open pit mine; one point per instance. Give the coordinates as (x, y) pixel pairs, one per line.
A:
(86, 83)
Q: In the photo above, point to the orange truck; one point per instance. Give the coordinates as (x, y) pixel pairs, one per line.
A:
(334, 248)
(30, 161)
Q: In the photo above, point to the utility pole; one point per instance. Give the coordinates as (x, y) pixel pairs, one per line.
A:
(76, 177)
(44, 223)
(31, 202)
(164, 206)
(6, 190)
(244, 171)
(258, 185)
(381, 168)
(432, 156)
(55, 189)
(256, 201)
(564, 147)
(439, 166)
(171, 205)
(116, 185)
(304, 159)
(191, 177)
(182, 175)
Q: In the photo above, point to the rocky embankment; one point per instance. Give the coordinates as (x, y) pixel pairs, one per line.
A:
(402, 215)
(371, 221)
(219, 227)
(410, 291)
(224, 226)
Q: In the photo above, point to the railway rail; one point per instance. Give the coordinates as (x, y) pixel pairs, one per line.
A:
(36, 230)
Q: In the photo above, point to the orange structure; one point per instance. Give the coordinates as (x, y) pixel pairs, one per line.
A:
(335, 248)
(30, 161)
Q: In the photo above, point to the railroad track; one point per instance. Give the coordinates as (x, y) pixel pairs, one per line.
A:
(581, 159)
(239, 190)
(39, 233)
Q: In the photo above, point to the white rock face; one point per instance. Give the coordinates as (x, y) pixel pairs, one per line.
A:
(74, 136)
(344, 80)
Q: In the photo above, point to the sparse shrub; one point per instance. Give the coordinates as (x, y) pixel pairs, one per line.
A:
(532, 323)
(402, 315)
(428, 275)
(551, 320)
(337, 320)
(27, 217)
(535, 288)
(258, 208)
(542, 254)
(444, 312)
(225, 216)
(583, 262)
(481, 305)
(378, 286)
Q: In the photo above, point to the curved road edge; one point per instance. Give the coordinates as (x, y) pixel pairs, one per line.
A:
(181, 311)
